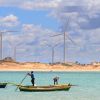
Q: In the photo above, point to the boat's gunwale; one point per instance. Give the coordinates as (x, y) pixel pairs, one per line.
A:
(45, 88)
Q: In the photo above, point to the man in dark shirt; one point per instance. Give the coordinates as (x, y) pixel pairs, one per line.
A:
(32, 77)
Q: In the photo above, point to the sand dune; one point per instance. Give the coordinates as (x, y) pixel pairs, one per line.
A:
(28, 66)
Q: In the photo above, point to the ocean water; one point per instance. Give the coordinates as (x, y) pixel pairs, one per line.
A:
(88, 86)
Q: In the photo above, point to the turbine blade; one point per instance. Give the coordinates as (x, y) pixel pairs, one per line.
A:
(71, 40)
(56, 35)
(7, 31)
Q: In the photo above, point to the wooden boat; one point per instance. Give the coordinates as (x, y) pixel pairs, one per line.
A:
(64, 87)
(3, 85)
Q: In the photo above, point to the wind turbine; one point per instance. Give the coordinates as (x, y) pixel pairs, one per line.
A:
(64, 37)
(1, 43)
(53, 50)
(15, 48)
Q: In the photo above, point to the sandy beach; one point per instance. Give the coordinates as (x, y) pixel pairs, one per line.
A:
(28, 66)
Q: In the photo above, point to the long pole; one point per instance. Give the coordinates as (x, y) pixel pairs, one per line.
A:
(21, 82)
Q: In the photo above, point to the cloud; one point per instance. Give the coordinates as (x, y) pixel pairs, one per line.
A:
(92, 6)
(31, 5)
(88, 8)
(30, 35)
(85, 14)
(9, 21)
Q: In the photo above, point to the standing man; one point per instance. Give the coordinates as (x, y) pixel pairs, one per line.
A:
(32, 77)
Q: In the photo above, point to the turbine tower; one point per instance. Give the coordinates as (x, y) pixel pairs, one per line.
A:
(52, 50)
(1, 43)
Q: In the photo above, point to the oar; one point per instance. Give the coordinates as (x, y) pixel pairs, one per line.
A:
(21, 82)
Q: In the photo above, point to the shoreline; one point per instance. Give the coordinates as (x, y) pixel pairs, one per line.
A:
(13, 70)
(41, 67)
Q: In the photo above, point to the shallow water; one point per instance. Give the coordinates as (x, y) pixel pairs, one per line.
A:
(88, 86)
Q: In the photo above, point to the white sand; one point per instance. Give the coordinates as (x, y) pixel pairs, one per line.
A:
(8, 66)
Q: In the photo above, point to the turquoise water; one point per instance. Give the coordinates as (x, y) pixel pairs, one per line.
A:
(88, 86)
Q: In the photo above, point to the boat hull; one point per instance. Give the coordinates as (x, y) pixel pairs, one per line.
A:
(44, 88)
(3, 85)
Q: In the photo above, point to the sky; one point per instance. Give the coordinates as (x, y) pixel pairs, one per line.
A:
(34, 24)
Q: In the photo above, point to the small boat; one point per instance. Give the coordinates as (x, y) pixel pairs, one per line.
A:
(3, 85)
(64, 87)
